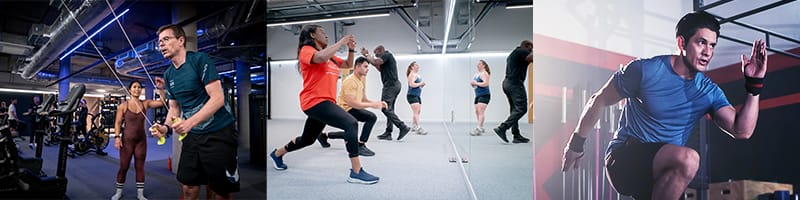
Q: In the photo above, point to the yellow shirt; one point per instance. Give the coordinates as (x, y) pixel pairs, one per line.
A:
(352, 86)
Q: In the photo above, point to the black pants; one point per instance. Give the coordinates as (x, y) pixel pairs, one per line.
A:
(328, 113)
(389, 95)
(361, 115)
(517, 100)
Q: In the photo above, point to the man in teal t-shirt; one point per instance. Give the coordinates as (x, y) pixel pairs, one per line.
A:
(197, 107)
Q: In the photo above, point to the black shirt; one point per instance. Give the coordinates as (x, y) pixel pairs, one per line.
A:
(82, 114)
(389, 70)
(516, 65)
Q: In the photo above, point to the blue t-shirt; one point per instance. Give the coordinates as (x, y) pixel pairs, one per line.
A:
(660, 105)
(187, 85)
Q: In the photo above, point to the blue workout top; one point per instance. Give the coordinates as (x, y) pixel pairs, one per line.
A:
(660, 105)
(480, 91)
(416, 91)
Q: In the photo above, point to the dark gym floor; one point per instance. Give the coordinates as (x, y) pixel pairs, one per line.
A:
(92, 176)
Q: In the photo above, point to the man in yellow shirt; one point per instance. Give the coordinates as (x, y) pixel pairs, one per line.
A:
(353, 100)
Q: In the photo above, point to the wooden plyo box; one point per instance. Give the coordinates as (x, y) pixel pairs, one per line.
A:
(743, 189)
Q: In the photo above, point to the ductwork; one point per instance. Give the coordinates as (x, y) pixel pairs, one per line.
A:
(147, 52)
(66, 32)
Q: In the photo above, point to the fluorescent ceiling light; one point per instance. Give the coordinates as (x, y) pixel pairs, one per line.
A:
(26, 91)
(447, 25)
(101, 90)
(329, 19)
(92, 35)
(519, 6)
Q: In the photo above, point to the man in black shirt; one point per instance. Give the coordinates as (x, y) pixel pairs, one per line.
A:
(385, 63)
(514, 88)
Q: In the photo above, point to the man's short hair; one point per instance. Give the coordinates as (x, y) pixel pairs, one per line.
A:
(360, 60)
(177, 31)
(691, 22)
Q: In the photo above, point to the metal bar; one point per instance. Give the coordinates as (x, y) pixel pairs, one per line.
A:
(289, 18)
(712, 5)
(778, 51)
(754, 11)
(763, 30)
(311, 5)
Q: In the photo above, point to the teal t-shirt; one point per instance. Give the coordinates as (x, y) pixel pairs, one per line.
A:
(187, 83)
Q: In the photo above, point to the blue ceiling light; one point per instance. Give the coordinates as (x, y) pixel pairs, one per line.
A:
(93, 34)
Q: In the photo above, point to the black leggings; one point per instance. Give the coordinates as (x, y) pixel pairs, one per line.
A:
(361, 115)
(328, 113)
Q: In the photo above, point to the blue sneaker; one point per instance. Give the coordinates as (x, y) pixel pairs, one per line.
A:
(277, 161)
(362, 177)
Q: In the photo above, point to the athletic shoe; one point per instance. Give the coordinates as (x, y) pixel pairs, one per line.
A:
(364, 151)
(277, 161)
(362, 177)
(403, 133)
(323, 140)
(475, 132)
(421, 131)
(501, 133)
(520, 139)
(385, 136)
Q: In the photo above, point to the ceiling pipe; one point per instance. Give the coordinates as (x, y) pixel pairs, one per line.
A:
(66, 32)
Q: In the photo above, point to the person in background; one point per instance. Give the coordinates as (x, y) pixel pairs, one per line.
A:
(480, 81)
(414, 95)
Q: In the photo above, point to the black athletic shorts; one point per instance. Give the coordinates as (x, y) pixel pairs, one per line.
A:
(13, 124)
(483, 99)
(210, 159)
(630, 168)
(413, 99)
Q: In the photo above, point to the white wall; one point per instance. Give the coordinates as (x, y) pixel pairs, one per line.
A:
(447, 93)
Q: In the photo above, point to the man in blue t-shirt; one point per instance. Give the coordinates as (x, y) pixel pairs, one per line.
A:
(198, 109)
(665, 96)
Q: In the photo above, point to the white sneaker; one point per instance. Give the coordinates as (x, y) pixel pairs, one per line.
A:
(421, 131)
(475, 132)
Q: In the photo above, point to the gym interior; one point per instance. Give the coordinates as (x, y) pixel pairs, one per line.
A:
(62, 52)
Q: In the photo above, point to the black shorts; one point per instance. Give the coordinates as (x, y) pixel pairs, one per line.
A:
(413, 99)
(210, 159)
(483, 99)
(13, 124)
(630, 168)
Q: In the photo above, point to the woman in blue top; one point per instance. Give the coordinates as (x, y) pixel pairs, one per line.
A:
(415, 85)
(482, 94)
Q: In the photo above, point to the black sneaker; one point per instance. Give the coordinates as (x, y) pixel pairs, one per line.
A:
(403, 133)
(323, 140)
(385, 136)
(501, 133)
(102, 153)
(364, 151)
(520, 139)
